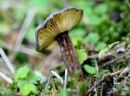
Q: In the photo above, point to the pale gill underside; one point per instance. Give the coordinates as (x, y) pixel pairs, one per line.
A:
(55, 24)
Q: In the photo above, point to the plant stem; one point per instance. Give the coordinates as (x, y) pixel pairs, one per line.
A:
(68, 53)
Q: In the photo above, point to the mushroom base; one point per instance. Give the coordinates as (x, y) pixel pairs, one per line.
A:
(68, 53)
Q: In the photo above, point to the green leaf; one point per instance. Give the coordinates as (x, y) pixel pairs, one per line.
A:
(20, 83)
(21, 73)
(90, 69)
(63, 92)
(27, 89)
(101, 9)
(77, 32)
(75, 41)
(103, 51)
(95, 19)
(34, 79)
(77, 36)
(82, 55)
(88, 11)
(100, 46)
(92, 38)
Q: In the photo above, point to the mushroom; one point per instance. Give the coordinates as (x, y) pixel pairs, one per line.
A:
(56, 27)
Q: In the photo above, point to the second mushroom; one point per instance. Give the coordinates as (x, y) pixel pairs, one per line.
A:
(56, 27)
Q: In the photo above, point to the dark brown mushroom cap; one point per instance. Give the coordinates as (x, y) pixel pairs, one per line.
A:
(56, 23)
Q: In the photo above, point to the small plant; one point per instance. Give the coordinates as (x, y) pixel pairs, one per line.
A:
(25, 83)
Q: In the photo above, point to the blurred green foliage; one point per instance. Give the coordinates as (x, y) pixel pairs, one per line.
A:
(25, 82)
(104, 22)
(90, 69)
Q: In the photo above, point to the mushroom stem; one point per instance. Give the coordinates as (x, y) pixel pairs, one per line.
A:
(68, 53)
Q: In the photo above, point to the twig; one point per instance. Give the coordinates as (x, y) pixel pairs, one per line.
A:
(9, 80)
(117, 72)
(117, 60)
(28, 51)
(125, 71)
(112, 74)
(127, 2)
(65, 81)
(125, 81)
(57, 76)
(98, 82)
(23, 49)
(5, 45)
(6, 60)
(9, 4)
(95, 85)
(26, 24)
(48, 81)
